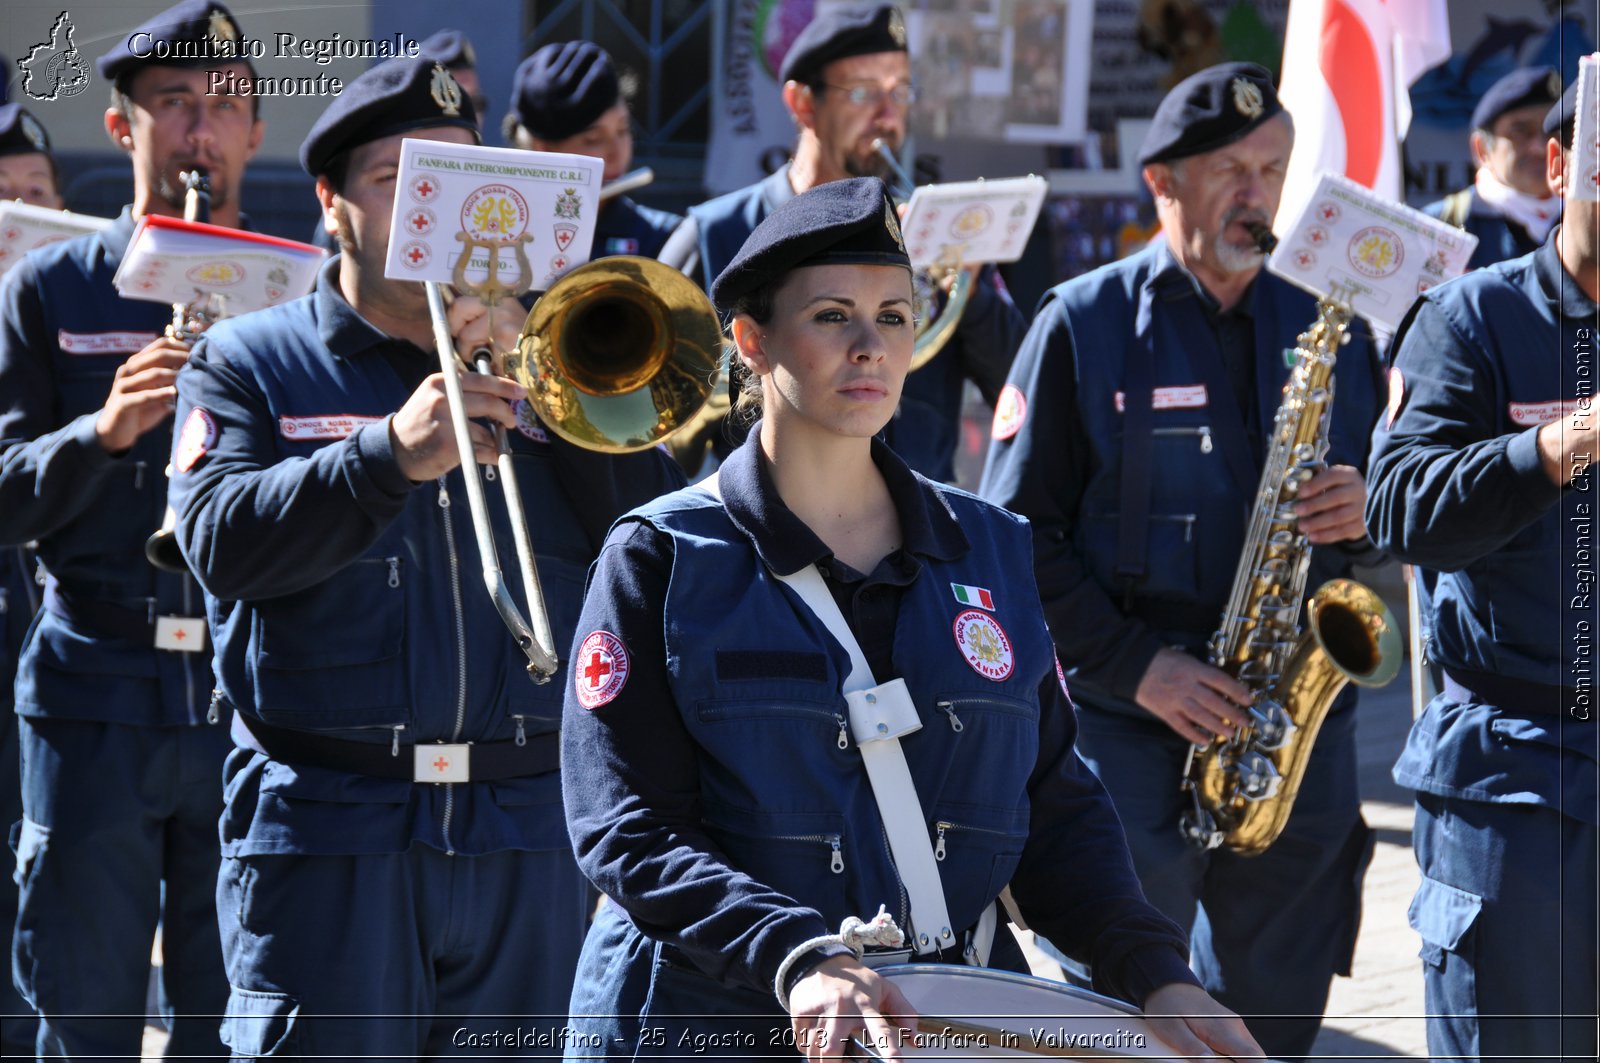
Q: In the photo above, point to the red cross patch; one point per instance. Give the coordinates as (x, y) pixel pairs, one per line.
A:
(599, 669)
(195, 439)
(1009, 412)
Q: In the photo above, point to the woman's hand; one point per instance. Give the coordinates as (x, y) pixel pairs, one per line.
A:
(1185, 1017)
(840, 996)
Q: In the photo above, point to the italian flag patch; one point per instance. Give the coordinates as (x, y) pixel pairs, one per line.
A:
(973, 596)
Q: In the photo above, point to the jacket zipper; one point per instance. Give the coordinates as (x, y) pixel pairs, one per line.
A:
(944, 824)
(461, 656)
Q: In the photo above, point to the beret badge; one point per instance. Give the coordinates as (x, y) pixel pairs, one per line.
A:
(897, 27)
(1247, 98)
(446, 93)
(893, 225)
(34, 132)
(221, 30)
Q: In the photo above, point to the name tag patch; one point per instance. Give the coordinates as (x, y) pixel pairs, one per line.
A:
(324, 426)
(1190, 397)
(1528, 414)
(103, 342)
(984, 644)
(621, 245)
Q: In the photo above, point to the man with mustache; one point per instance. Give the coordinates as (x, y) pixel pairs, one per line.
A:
(847, 83)
(1131, 434)
(121, 751)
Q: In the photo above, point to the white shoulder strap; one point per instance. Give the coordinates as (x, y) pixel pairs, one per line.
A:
(879, 715)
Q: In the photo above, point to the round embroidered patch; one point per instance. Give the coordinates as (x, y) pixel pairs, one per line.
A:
(198, 436)
(1397, 395)
(1009, 412)
(983, 642)
(600, 669)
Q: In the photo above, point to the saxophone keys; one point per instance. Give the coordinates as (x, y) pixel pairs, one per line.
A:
(1258, 777)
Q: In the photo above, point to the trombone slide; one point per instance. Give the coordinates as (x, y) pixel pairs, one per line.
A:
(535, 639)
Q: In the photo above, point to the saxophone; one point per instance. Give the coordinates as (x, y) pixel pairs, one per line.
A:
(1242, 789)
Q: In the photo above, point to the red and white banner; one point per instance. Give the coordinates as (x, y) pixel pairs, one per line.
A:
(1347, 65)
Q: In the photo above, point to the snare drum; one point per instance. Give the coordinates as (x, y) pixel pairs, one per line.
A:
(976, 1013)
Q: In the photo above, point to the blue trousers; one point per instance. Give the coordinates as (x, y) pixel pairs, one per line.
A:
(119, 831)
(1268, 932)
(18, 1027)
(1507, 912)
(400, 955)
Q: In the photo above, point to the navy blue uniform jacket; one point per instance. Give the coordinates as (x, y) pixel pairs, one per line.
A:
(347, 600)
(712, 790)
(1458, 488)
(1061, 464)
(63, 333)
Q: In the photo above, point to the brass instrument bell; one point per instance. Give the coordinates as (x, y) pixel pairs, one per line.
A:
(618, 354)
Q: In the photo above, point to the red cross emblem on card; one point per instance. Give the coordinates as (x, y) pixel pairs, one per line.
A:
(181, 634)
(424, 188)
(438, 762)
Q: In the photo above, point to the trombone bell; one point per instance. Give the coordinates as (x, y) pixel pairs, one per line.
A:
(618, 354)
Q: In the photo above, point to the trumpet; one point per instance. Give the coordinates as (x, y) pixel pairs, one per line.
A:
(616, 356)
(934, 326)
(188, 321)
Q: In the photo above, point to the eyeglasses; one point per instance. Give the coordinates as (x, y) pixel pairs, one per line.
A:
(902, 95)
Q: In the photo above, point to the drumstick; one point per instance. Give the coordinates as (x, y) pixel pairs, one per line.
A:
(994, 1037)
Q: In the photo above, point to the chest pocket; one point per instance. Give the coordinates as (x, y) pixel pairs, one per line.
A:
(330, 656)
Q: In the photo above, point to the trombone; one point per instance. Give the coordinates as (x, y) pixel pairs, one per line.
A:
(616, 356)
(934, 326)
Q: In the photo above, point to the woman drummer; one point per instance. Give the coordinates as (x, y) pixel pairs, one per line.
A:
(714, 787)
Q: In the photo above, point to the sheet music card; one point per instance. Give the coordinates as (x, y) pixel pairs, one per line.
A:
(1385, 253)
(455, 199)
(24, 227)
(981, 221)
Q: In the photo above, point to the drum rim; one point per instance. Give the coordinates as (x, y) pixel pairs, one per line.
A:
(1009, 976)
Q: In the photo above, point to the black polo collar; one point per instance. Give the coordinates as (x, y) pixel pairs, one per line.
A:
(786, 544)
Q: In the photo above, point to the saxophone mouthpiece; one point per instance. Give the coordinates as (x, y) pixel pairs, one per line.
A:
(1262, 235)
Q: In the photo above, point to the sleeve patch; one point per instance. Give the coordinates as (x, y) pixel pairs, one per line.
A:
(600, 669)
(1397, 395)
(1009, 412)
(195, 440)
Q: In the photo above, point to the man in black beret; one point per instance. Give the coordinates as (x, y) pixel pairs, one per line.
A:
(569, 98)
(1131, 434)
(455, 51)
(847, 84)
(27, 169)
(121, 747)
(396, 877)
(1509, 207)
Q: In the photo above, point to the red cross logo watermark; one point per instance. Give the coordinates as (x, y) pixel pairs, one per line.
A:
(602, 669)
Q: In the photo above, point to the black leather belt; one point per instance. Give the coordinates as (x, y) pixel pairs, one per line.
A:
(1513, 695)
(103, 619)
(486, 761)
